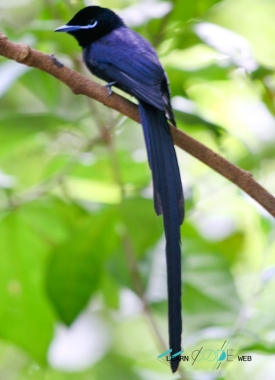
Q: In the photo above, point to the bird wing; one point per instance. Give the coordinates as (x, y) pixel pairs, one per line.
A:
(128, 59)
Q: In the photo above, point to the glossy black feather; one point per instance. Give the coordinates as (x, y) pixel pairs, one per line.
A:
(115, 53)
(168, 201)
(135, 66)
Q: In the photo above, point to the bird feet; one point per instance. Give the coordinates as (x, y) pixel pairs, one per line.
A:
(109, 87)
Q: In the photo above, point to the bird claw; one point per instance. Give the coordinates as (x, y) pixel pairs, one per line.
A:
(109, 87)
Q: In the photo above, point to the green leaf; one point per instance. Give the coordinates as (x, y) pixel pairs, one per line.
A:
(24, 127)
(110, 291)
(76, 267)
(184, 11)
(93, 191)
(36, 80)
(207, 279)
(25, 316)
(116, 367)
(143, 226)
(262, 347)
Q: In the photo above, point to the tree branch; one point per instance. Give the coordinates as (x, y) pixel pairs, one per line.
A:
(81, 85)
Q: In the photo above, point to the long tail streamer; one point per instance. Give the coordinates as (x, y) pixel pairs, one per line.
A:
(168, 201)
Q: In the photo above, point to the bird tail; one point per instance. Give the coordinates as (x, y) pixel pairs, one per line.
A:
(168, 201)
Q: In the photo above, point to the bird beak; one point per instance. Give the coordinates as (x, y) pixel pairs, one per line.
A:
(72, 28)
(67, 28)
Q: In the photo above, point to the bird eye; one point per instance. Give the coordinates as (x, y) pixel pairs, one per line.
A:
(92, 23)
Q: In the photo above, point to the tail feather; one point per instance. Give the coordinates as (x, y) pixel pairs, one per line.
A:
(168, 201)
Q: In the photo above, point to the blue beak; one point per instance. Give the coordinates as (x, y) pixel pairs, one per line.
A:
(67, 28)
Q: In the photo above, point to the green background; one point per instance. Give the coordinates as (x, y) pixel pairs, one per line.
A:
(82, 268)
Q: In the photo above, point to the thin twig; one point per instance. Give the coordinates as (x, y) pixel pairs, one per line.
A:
(81, 85)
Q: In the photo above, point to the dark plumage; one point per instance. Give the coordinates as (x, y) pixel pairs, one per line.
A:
(122, 57)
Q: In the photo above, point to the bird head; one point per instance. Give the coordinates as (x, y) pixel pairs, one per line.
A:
(91, 23)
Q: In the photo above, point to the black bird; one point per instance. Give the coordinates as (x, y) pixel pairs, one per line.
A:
(126, 60)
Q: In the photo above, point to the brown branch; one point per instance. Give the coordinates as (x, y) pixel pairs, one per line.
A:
(81, 85)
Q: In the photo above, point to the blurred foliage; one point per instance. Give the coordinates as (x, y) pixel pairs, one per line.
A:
(81, 246)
